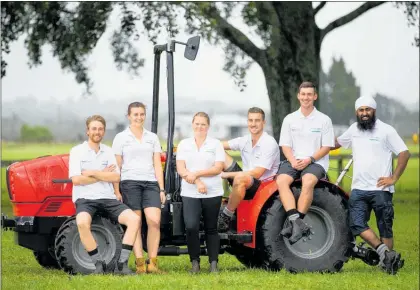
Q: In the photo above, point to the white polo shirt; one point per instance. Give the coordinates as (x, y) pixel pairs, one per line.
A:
(82, 157)
(137, 156)
(201, 159)
(372, 153)
(264, 154)
(306, 135)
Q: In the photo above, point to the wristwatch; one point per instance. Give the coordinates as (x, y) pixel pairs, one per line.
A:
(162, 190)
(312, 160)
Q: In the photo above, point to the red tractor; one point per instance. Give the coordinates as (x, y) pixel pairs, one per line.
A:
(44, 222)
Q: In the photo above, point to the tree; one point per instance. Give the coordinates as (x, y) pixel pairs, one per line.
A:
(340, 92)
(393, 112)
(35, 134)
(289, 55)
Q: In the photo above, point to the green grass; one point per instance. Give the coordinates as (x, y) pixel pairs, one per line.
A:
(21, 271)
(21, 151)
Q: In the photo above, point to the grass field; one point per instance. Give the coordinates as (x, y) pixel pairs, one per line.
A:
(21, 271)
(19, 151)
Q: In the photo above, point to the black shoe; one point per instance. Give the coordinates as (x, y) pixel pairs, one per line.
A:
(401, 264)
(299, 230)
(287, 230)
(223, 223)
(392, 262)
(195, 267)
(122, 269)
(366, 254)
(213, 267)
(100, 267)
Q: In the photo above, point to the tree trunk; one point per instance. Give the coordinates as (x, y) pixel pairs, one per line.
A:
(295, 60)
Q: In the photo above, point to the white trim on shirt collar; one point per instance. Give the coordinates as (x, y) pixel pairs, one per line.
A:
(258, 142)
(310, 116)
(129, 132)
(101, 147)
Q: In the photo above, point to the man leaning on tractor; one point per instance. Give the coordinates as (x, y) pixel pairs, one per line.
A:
(372, 143)
(93, 169)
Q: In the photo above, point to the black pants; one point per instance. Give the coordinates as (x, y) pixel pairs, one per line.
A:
(192, 210)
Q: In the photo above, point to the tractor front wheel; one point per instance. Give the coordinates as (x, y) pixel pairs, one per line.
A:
(71, 254)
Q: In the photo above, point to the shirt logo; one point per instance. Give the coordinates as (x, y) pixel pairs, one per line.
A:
(315, 130)
(375, 139)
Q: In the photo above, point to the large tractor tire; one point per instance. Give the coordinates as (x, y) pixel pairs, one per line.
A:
(248, 257)
(71, 254)
(325, 250)
(46, 260)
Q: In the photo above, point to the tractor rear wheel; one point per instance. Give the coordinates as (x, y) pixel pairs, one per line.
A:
(325, 250)
(71, 254)
(46, 260)
(247, 256)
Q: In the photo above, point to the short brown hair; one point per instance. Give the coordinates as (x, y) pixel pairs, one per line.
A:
(135, 105)
(307, 85)
(257, 110)
(95, 118)
(204, 115)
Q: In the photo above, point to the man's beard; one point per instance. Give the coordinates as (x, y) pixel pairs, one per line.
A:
(96, 139)
(366, 125)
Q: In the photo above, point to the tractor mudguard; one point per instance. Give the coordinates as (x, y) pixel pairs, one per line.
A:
(248, 211)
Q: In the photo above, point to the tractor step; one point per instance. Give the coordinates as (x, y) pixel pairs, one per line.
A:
(243, 238)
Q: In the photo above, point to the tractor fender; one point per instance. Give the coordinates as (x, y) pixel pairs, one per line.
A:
(249, 211)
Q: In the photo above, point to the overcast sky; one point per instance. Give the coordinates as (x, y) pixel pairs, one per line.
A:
(376, 47)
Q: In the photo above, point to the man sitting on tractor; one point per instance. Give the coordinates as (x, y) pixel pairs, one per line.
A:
(306, 138)
(260, 157)
(373, 142)
(93, 169)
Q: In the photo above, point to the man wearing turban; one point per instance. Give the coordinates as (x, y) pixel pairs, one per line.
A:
(373, 142)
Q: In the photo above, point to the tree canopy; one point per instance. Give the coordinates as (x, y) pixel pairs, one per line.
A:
(289, 54)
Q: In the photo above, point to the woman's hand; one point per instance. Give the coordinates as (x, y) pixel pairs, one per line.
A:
(162, 197)
(191, 177)
(201, 186)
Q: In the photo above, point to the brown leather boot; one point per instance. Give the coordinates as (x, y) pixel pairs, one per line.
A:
(140, 265)
(152, 266)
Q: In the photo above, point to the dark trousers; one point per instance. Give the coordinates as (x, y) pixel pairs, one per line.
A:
(193, 208)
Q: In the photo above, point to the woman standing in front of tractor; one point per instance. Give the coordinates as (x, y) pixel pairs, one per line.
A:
(137, 151)
(200, 161)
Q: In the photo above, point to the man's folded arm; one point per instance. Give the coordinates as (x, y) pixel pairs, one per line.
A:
(83, 180)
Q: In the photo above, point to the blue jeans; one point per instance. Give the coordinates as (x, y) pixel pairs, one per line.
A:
(361, 204)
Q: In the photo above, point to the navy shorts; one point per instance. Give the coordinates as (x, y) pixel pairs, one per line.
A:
(314, 168)
(111, 208)
(362, 202)
(139, 195)
(252, 190)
